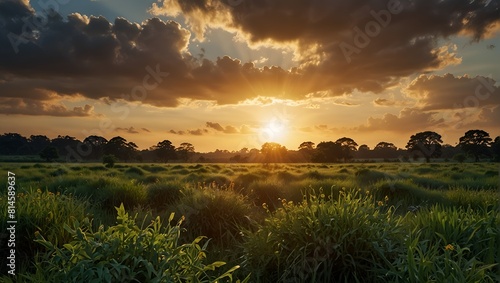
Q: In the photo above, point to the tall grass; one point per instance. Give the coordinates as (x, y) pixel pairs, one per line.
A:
(323, 240)
(38, 211)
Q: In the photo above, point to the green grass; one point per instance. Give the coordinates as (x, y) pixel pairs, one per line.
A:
(279, 222)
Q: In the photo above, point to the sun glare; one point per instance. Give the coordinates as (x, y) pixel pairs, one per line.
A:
(274, 131)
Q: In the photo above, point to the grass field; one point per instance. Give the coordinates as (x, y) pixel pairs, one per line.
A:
(378, 222)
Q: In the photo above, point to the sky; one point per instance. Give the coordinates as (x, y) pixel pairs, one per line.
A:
(230, 74)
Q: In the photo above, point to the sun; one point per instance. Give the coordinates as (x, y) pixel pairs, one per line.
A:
(274, 130)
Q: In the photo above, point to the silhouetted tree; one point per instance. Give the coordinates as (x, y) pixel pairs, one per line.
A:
(385, 146)
(475, 143)
(95, 145)
(307, 146)
(49, 153)
(37, 143)
(363, 151)
(385, 150)
(184, 151)
(328, 152)
(495, 149)
(363, 147)
(348, 147)
(307, 149)
(460, 157)
(13, 144)
(428, 143)
(67, 147)
(273, 152)
(165, 151)
(120, 148)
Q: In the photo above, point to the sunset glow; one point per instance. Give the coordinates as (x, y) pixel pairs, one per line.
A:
(233, 75)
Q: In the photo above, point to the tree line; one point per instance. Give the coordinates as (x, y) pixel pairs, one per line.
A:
(476, 144)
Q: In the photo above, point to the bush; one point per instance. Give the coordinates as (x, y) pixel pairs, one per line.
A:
(267, 191)
(324, 240)
(109, 160)
(126, 253)
(366, 176)
(162, 194)
(460, 157)
(215, 213)
(134, 171)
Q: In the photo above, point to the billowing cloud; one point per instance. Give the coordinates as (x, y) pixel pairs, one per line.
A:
(346, 45)
(35, 107)
(451, 92)
(409, 120)
(339, 46)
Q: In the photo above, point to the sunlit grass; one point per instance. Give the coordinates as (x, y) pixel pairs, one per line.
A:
(421, 210)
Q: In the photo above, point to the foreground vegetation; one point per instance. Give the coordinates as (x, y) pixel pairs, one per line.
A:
(277, 223)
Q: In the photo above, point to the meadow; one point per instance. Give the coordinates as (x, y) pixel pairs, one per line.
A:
(374, 222)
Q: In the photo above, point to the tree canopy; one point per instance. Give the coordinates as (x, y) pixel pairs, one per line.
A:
(427, 143)
(475, 143)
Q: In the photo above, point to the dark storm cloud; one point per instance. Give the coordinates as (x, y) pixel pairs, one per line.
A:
(39, 108)
(451, 92)
(98, 59)
(148, 62)
(346, 45)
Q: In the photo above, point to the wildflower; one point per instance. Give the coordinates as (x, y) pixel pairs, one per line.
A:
(449, 247)
(380, 203)
(386, 198)
(266, 208)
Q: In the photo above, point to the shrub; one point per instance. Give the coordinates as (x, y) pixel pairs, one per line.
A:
(244, 180)
(127, 253)
(215, 213)
(268, 191)
(162, 194)
(460, 157)
(109, 160)
(366, 176)
(324, 240)
(134, 171)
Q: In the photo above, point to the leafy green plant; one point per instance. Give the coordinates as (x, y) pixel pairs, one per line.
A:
(127, 253)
